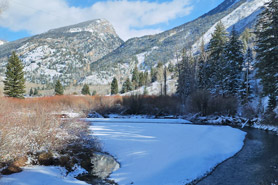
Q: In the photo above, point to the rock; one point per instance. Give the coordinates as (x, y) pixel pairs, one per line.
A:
(94, 114)
(11, 169)
(14, 167)
(103, 165)
(45, 158)
(20, 161)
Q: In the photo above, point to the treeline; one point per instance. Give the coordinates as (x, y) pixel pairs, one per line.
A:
(143, 78)
(226, 67)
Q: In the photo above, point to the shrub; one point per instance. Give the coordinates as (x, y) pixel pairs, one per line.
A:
(32, 125)
(206, 104)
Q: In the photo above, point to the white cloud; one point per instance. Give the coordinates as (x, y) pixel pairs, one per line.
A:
(130, 18)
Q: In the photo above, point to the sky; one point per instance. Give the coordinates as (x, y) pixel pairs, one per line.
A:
(130, 18)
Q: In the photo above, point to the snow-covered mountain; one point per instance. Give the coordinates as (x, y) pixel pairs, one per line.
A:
(147, 51)
(2, 42)
(65, 53)
(92, 52)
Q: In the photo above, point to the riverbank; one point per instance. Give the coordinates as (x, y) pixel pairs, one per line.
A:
(255, 164)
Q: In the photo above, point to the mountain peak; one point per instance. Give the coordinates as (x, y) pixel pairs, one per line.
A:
(93, 26)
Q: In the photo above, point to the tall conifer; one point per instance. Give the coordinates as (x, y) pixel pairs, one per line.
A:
(14, 83)
(267, 50)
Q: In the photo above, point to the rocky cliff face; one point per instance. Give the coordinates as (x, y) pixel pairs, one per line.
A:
(64, 53)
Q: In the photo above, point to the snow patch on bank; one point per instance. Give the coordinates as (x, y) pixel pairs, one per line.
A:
(42, 175)
(153, 154)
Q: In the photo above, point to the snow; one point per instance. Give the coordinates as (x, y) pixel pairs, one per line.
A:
(243, 11)
(42, 175)
(2, 42)
(138, 120)
(154, 88)
(266, 127)
(162, 154)
(71, 114)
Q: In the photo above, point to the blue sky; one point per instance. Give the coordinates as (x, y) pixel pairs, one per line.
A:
(130, 18)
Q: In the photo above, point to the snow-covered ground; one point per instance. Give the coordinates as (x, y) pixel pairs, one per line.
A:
(162, 154)
(42, 175)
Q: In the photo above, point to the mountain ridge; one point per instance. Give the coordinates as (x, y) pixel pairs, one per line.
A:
(63, 53)
(115, 57)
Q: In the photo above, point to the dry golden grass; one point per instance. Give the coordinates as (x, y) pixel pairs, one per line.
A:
(33, 124)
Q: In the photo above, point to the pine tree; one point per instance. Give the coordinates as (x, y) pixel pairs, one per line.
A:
(272, 103)
(267, 50)
(146, 78)
(85, 90)
(141, 79)
(165, 81)
(186, 78)
(216, 61)
(233, 64)
(135, 77)
(31, 92)
(114, 86)
(171, 67)
(203, 75)
(145, 91)
(245, 90)
(246, 37)
(59, 89)
(14, 84)
(94, 93)
(36, 92)
(153, 74)
(127, 86)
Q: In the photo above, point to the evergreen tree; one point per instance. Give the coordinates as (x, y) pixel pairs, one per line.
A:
(114, 86)
(145, 91)
(31, 92)
(218, 41)
(245, 38)
(127, 86)
(135, 77)
(171, 67)
(59, 89)
(141, 79)
(36, 92)
(14, 84)
(165, 81)
(186, 78)
(153, 74)
(203, 75)
(85, 90)
(146, 78)
(216, 61)
(272, 103)
(267, 50)
(94, 93)
(245, 90)
(233, 64)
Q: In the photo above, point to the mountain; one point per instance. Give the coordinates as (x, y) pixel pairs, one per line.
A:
(64, 53)
(147, 51)
(91, 52)
(2, 42)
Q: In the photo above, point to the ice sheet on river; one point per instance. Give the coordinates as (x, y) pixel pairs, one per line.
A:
(164, 154)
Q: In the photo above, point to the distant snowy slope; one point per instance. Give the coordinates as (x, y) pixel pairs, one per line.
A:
(240, 17)
(63, 53)
(165, 154)
(2, 42)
